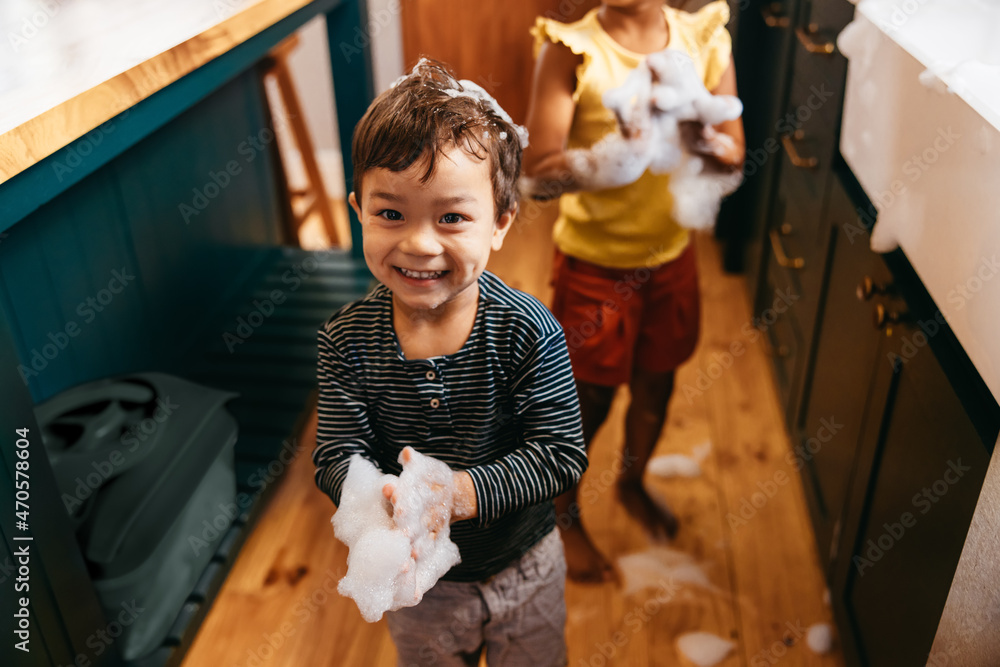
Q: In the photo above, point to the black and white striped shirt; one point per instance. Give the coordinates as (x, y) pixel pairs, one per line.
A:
(504, 408)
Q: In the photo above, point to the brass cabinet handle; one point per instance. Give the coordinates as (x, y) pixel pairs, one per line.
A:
(881, 318)
(868, 288)
(788, 141)
(806, 38)
(779, 252)
(772, 16)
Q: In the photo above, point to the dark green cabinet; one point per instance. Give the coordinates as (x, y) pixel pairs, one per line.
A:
(762, 53)
(899, 429)
(921, 466)
(795, 241)
(846, 346)
(893, 425)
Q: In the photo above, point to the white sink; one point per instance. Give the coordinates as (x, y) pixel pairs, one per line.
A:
(956, 40)
(921, 131)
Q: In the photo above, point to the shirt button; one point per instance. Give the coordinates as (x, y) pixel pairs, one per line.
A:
(430, 375)
(435, 403)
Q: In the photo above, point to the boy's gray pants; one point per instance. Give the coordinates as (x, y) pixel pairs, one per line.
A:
(518, 616)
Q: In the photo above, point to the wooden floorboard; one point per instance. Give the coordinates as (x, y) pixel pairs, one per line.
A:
(276, 608)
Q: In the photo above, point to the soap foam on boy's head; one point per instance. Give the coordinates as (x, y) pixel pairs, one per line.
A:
(426, 112)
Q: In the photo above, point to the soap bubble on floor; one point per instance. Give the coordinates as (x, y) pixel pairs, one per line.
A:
(653, 567)
(703, 648)
(680, 465)
(819, 638)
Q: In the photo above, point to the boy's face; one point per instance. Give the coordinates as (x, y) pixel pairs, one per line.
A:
(429, 242)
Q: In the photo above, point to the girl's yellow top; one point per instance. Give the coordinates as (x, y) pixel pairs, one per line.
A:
(630, 226)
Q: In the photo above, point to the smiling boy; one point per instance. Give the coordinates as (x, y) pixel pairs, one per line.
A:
(447, 359)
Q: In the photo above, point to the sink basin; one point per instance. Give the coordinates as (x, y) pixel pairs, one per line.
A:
(955, 40)
(921, 131)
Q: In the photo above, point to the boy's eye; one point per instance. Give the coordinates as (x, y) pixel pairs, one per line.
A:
(452, 218)
(390, 214)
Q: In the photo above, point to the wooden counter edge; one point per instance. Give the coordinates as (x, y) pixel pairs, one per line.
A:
(43, 135)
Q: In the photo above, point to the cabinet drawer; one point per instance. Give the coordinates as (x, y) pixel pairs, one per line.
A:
(778, 313)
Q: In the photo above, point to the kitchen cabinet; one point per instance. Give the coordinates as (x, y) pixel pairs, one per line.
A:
(897, 431)
(920, 467)
(796, 238)
(762, 44)
(892, 426)
(80, 204)
(841, 370)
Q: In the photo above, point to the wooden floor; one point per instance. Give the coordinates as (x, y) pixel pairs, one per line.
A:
(279, 606)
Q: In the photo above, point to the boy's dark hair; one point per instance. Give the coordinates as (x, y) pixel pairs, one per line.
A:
(427, 112)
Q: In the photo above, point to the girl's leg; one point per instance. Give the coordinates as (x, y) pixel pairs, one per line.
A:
(643, 423)
(583, 561)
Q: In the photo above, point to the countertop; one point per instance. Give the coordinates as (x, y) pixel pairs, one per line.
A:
(71, 65)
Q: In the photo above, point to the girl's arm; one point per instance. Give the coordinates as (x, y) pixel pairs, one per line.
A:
(550, 115)
(726, 152)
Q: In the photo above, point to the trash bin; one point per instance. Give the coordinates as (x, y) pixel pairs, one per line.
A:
(142, 462)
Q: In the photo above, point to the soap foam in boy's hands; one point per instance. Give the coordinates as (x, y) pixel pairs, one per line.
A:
(397, 530)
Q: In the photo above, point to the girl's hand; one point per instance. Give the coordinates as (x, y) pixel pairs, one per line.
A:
(706, 141)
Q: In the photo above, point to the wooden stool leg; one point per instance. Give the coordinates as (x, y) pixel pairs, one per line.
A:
(300, 132)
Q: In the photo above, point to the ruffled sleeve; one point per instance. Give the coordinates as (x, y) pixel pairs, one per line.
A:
(711, 40)
(550, 30)
(578, 37)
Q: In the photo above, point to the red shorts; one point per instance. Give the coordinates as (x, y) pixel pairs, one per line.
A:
(616, 318)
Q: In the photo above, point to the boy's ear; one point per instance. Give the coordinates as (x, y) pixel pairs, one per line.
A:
(354, 204)
(501, 228)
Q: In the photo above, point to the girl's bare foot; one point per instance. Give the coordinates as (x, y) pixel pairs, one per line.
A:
(584, 563)
(651, 512)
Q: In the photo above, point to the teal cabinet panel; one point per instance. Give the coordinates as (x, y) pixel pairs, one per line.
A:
(353, 87)
(44, 324)
(62, 601)
(109, 278)
(202, 205)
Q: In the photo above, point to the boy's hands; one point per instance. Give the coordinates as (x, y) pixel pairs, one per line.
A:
(433, 498)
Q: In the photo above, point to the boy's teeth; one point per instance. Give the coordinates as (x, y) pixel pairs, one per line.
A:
(421, 275)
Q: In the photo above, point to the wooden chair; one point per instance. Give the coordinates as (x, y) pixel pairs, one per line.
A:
(313, 197)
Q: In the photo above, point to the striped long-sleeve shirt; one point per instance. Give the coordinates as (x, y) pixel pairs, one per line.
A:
(504, 408)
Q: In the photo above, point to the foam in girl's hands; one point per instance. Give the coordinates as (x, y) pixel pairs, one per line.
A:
(663, 91)
(393, 560)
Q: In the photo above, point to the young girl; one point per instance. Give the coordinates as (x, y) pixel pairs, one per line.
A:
(626, 290)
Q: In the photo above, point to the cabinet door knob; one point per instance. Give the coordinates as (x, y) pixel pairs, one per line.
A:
(806, 39)
(868, 288)
(779, 251)
(788, 142)
(773, 18)
(881, 317)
